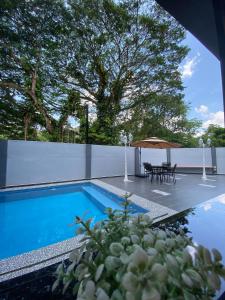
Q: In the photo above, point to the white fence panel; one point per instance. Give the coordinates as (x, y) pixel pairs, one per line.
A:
(109, 161)
(220, 160)
(190, 157)
(39, 162)
(152, 156)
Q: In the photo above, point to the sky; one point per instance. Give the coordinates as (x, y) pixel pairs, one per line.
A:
(203, 87)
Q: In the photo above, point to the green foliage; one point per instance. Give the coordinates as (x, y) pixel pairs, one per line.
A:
(165, 117)
(30, 44)
(126, 257)
(17, 119)
(124, 51)
(120, 56)
(216, 134)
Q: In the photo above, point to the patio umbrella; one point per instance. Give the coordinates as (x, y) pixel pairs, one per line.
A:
(154, 142)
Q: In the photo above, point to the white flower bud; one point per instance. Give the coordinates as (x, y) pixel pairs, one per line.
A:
(161, 235)
(125, 240)
(160, 245)
(112, 263)
(116, 249)
(135, 239)
(148, 239)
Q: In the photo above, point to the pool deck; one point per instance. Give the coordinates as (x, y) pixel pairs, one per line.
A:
(188, 191)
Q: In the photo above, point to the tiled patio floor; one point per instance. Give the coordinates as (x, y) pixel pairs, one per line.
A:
(188, 191)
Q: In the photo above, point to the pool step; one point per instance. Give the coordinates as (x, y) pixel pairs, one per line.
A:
(104, 200)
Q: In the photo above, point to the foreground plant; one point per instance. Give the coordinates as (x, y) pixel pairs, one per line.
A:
(125, 257)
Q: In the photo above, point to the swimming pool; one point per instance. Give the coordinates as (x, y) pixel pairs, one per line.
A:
(37, 217)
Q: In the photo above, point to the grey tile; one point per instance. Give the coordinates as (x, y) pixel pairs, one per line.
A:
(184, 194)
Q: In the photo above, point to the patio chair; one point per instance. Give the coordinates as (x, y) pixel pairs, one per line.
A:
(166, 169)
(170, 173)
(149, 170)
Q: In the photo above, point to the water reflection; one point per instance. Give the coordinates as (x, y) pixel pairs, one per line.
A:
(215, 202)
(205, 224)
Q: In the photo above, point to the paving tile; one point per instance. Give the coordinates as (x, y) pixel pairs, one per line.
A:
(185, 194)
(207, 185)
(161, 192)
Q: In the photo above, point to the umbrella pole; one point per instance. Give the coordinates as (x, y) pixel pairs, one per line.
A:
(140, 163)
(125, 161)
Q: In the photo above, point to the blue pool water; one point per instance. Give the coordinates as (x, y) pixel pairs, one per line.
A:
(34, 218)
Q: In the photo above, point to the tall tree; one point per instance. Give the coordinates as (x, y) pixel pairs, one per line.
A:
(216, 134)
(121, 56)
(18, 119)
(122, 51)
(29, 46)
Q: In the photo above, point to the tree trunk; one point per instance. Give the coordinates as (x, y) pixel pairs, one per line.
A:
(106, 118)
(27, 119)
(38, 104)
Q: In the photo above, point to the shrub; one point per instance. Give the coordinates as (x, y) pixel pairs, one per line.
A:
(126, 257)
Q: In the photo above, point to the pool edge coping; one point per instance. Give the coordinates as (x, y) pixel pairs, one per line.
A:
(34, 260)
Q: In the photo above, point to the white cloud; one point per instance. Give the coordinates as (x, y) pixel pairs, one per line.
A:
(202, 109)
(206, 206)
(216, 118)
(188, 68)
(199, 133)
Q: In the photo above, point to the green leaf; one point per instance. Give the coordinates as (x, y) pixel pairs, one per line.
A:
(102, 295)
(217, 255)
(187, 280)
(130, 282)
(150, 294)
(89, 289)
(214, 281)
(66, 285)
(116, 295)
(55, 285)
(194, 276)
(99, 272)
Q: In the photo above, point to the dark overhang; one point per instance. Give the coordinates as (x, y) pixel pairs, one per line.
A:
(205, 19)
(197, 16)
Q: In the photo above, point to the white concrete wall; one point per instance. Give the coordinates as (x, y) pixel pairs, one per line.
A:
(38, 162)
(153, 156)
(220, 160)
(190, 157)
(109, 161)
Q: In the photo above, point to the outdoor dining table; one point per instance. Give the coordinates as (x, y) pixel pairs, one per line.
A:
(160, 170)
